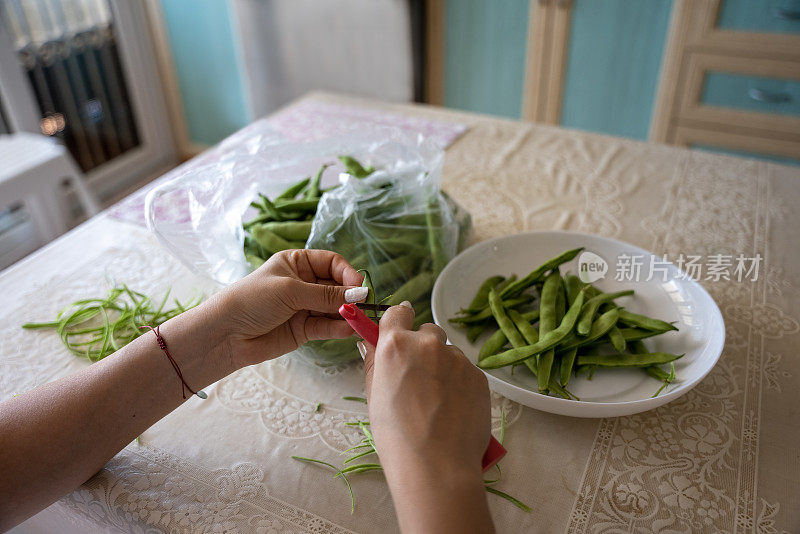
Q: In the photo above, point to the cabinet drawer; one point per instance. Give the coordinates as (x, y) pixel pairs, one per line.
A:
(770, 16)
(784, 150)
(751, 93)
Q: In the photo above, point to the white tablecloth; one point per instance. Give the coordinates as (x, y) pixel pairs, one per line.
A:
(723, 458)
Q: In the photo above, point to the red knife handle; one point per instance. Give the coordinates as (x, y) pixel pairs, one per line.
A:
(362, 324)
(494, 453)
(368, 330)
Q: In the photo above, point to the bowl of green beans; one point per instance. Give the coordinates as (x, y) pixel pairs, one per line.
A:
(578, 324)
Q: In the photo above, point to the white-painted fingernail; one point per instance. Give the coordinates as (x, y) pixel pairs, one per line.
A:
(407, 305)
(362, 349)
(356, 294)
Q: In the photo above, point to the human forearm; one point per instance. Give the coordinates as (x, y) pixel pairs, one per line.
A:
(55, 437)
(436, 497)
(58, 435)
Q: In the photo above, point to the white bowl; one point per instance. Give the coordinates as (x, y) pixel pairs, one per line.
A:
(611, 392)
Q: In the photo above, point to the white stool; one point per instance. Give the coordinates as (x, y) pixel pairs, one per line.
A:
(32, 169)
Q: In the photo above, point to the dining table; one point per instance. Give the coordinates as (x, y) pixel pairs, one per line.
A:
(724, 457)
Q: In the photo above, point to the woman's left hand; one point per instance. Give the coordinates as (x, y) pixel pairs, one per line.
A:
(293, 298)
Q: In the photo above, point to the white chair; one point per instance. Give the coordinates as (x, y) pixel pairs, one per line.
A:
(32, 169)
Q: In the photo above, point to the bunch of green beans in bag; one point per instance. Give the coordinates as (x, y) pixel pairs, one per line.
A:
(284, 222)
(579, 328)
(395, 224)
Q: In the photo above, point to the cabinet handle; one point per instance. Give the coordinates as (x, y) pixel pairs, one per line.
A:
(786, 14)
(768, 97)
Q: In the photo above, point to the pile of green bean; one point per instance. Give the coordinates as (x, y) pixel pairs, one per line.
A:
(284, 222)
(579, 328)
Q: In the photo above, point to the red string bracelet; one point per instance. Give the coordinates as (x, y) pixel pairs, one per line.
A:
(163, 345)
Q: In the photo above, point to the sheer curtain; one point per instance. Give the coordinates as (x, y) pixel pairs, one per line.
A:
(291, 47)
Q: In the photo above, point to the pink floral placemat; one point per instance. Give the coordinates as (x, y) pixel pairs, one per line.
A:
(308, 120)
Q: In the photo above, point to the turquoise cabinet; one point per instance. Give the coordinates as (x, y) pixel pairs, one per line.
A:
(752, 93)
(485, 43)
(769, 16)
(613, 61)
(597, 66)
(613, 64)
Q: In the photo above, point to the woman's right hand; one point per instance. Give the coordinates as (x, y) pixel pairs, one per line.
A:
(430, 416)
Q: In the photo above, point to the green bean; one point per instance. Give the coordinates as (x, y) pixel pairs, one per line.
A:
(290, 230)
(567, 362)
(505, 324)
(434, 223)
(354, 168)
(592, 292)
(492, 345)
(617, 339)
(657, 373)
(487, 312)
(313, 188)
(283, 207)
(591, 306)
(254, 261)
(642, 321)
(502, 285)
(474, 331)
(572, 284)
(481, 298)
(367, 282)
(413, 288)
(663, 376)
(390, 270)
(599, 328)
(269, 208)
(478, 306)
(546, 342)
(529, 333)
(549, 308)
(498, 340)
(361, 260)
(397, 246)
(628, 360)
(553, 386)
(413, 219)
(258, 219)
(536, 275)
(293, 190)
(635, 334)
(561, 301)
(524, 326)
(269, 241)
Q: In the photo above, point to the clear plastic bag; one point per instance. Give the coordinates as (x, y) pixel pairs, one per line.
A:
(396, 223)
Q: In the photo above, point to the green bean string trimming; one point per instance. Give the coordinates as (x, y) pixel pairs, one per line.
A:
(366, 447)
(95, 328)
